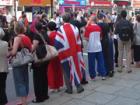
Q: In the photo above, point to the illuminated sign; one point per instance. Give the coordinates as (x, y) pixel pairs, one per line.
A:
(34, 2)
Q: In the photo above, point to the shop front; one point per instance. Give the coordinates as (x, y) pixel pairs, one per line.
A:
(71, 5)
(105, 5)
(35, 6)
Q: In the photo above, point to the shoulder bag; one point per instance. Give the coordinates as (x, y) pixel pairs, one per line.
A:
(51, 52)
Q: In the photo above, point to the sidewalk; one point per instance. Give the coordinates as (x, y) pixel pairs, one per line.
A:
(122, 89)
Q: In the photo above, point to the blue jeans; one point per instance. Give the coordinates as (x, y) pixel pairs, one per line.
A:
(100, 64)
(21, 80)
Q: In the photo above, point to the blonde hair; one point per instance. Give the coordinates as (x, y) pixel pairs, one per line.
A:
(19, 27)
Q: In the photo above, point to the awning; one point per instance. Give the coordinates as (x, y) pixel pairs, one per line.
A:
(34, 2)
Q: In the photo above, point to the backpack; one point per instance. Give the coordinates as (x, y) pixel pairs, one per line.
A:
(125, 31)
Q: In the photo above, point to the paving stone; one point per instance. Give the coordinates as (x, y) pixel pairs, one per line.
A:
(99, 98)
(129, 93)
(78, 102)
(126, 83)
(92, 85)
(122, 101)
(109, 89)
(79, 96)
(132, 76)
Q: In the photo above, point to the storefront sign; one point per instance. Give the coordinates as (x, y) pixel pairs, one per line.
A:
(34, 2)
(6, 2)
(101, 3)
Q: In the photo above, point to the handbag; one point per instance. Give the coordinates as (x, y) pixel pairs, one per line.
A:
(51, 52)
(22, 57)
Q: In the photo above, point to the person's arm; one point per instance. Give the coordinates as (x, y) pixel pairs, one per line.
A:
(87, 32)
(34, 45)
(116, 29)
(16, 44)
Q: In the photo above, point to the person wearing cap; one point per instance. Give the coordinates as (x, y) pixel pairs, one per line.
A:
(93, 36)
(3, 68)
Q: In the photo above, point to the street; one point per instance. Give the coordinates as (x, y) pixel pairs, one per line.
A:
(122, 89)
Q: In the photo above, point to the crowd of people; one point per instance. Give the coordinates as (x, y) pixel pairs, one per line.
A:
(109, 37)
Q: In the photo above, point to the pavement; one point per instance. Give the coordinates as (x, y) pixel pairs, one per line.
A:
(122, 89)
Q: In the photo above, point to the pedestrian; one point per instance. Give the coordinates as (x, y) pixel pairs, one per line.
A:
(69, 48)
(20, 73)
(40, 79)
(93, 36)
(116, 50)
(124, 29)
(3, 67)
(55, 74)
(136, 41)
(105, 41)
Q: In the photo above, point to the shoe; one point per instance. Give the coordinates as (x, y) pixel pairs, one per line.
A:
(116, 65)
(80, 89)
(103, 78)
(129, 71)
(119, 70)
(40, 100)
(111, 74)
(84, 82)
(68, 91)
(93, 79)
(132, 63)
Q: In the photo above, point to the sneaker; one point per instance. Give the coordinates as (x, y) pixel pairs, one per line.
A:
(80, 89)
(103, 78)
(93, 79)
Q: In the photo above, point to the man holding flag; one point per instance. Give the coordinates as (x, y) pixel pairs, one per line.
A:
(68, 44)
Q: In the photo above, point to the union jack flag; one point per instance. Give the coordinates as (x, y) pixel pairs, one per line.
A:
(68, 44)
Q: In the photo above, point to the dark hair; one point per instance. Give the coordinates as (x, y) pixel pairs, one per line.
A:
(43, 16)
(123, 14)
(22, 12)
(39, 26)
(100, 16)
(24, 16)
(138, 18)
(52, 26)
(66, 17)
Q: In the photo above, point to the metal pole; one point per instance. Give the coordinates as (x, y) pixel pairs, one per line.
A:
(51, 8)
(15, 8)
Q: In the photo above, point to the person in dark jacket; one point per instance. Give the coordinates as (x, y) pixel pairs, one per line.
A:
(106, 44)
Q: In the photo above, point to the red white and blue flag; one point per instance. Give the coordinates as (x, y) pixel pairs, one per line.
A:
(68, 44)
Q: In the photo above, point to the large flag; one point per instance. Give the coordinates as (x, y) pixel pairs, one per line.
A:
(68, 44)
